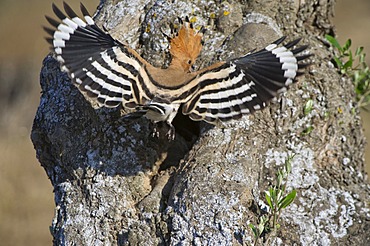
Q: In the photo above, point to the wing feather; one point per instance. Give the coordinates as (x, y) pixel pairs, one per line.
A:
(246, 84)
(101, 66)
(111, 73)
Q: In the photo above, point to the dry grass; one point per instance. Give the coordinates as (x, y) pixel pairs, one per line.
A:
(26, 203)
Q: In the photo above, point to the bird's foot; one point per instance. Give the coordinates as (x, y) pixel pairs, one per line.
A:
(159, 129)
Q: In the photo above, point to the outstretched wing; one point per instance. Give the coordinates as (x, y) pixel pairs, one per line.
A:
(101, 66)
(246, 84)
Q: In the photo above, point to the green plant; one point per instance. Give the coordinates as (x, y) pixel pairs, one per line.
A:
(355, 67)
(261, 228)
(308, 107)
(277, 200)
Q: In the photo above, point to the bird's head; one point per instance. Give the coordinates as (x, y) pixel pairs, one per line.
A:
(185, 47)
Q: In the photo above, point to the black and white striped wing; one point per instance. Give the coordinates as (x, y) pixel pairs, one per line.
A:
(100, 65)
(246, 84)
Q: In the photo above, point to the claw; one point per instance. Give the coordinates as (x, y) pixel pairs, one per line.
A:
(170, 134)
(155, 132)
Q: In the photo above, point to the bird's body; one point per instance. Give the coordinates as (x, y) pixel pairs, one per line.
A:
(114, 74)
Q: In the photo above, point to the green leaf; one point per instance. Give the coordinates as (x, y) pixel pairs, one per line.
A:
(308, 130)
(288, 164)
(279, 178)
(338, 62)
(268, 199)
(333, 41)
(279, 194)
(261, 228)
(362, 60)
(348, 64)
(275, 194)
(359, 51)
(308, 107)
(254, 230)
(347, 45)
(287, 200)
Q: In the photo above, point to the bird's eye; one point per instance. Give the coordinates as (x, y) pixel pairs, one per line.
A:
(189, 62)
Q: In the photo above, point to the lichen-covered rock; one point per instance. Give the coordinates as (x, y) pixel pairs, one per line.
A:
(116, 184)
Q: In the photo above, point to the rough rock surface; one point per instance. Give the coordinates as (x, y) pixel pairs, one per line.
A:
(115, 184)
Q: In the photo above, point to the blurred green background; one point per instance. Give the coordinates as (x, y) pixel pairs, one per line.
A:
(26, 195)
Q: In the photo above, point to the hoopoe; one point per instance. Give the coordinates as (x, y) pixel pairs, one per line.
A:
(113, 74)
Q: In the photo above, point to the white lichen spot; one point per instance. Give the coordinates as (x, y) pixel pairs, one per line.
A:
(303, 173)
(365, 211)
(259, 18)
(275, 157)
(330, 64)
(231, 158)
(278, 241)
(346, 161)
(330, 220)
(208, 218)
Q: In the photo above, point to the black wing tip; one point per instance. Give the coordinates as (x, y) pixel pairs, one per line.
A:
(303, 57)
(54, 6)
(52, 22)
(50, 41)
(280, 40)
(58, 12)
(84, 10)
(303, 65)
(299, 49)
(69, 11)
(292, 43)
(49, 30)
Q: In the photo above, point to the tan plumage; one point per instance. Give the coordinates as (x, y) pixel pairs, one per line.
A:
(114, 74)
(185, 47)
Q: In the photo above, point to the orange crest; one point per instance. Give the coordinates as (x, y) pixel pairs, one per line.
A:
(185, 47)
